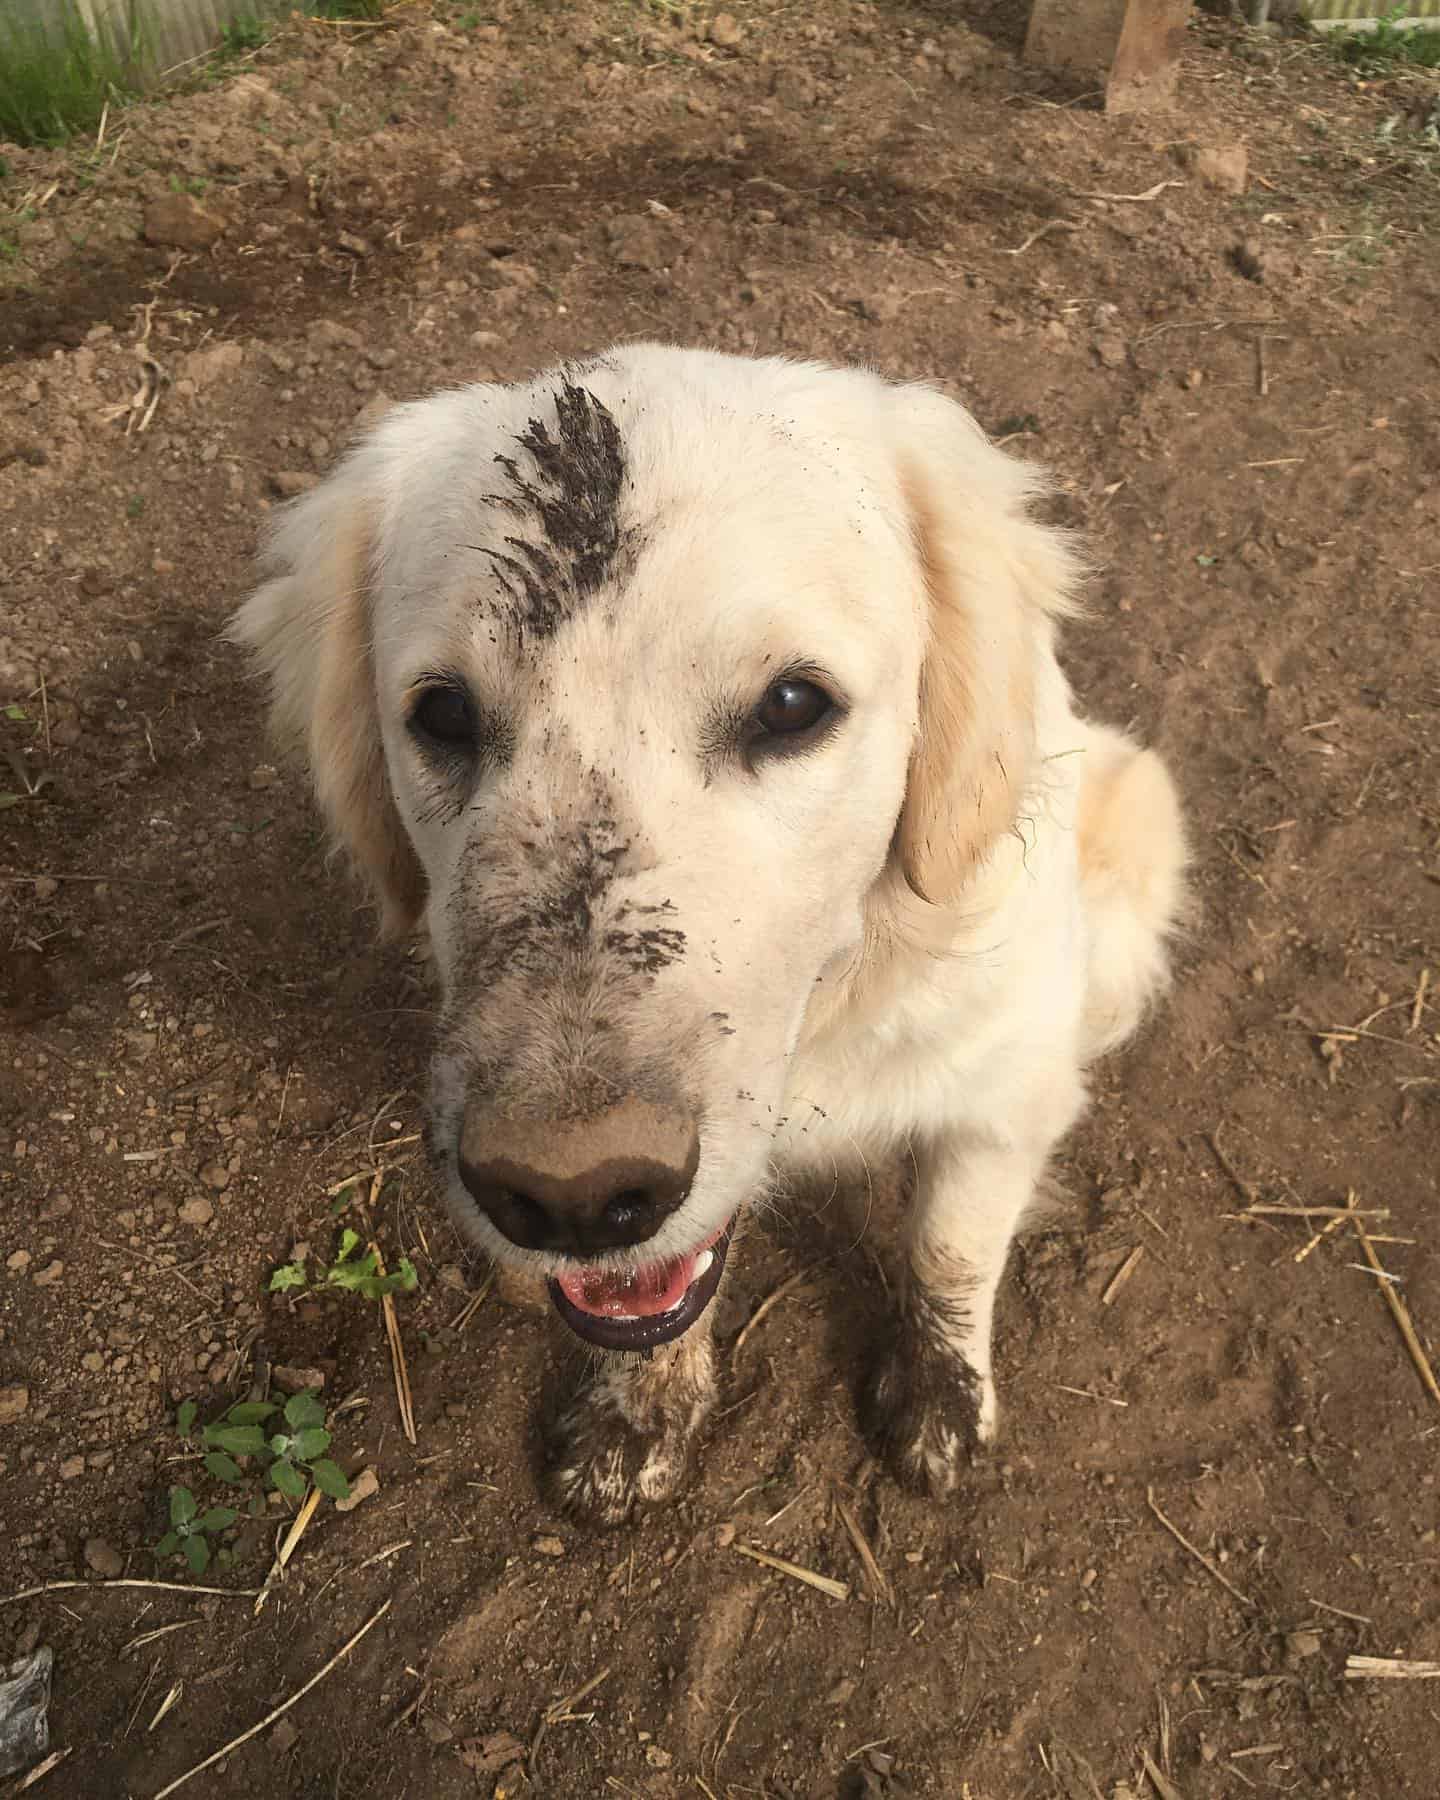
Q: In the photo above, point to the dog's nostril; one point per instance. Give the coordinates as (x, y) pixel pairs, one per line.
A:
(627, 1207)
(530, 1217)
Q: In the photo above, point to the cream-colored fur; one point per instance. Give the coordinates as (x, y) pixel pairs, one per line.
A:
(912, 938)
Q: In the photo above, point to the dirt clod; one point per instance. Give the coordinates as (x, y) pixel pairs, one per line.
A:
(182, 222)
(103, 1558)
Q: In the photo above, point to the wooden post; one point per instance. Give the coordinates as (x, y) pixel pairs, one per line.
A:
(1130, 49)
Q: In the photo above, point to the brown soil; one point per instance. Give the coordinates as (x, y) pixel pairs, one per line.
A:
(194, 1009)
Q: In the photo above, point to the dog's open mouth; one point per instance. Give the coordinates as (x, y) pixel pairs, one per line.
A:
(649, 1304)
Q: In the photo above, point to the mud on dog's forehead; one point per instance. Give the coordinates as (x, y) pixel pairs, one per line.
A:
(535, 501)
(565, 498)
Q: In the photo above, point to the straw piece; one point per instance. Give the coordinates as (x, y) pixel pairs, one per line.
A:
(879, 1583)
(1161, 1782)
(764, 1307)
(287, 1549)
(1122, 1275)
(170, 1587)
(397, 1349)
(283, 1707)
(1402, 1316)
(824, 1584)
(1389, 1668)
(1199, 1555)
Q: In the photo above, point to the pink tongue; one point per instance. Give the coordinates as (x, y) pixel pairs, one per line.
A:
(640, 1293)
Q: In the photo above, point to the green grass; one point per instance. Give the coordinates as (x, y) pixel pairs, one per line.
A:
(56, 82)
(346, 9)
(1390, 45)
(243, 34)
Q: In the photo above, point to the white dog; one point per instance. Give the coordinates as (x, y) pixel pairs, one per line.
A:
(707, 712)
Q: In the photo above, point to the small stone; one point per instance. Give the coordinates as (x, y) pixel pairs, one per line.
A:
(725, 32)
(285, 1736)
(46, 887)
(103, 1559)
(180, 222)
(490, 1754)
(50, 1275)
(287, 483)
(1194, 378)
(1226, 168)
(215, 1175)
(364, 1486)
(297, 1381)
(92, 1362)
(262, 777)
(435, 1729)
(725, 1536)
(658, 1758)
(638, 242)
(329, 334)
(18, 1261)
(1111, 349)
(14, 1402)
(204, 366)
(1300, 1644)
(840, 1694)
(547, 1546)
(1249, 258)
(71, 1467)
(197, 1212)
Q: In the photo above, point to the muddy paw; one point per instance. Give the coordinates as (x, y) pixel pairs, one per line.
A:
(628, 1439)
(926, 1415)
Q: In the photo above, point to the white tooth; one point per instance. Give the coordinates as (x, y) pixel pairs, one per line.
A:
(625, 1318)
(702, 1263)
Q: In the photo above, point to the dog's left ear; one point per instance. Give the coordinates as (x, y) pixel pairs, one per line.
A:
(309, 629)
(995, 580)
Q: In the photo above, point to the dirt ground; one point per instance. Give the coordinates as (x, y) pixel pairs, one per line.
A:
(1241, 393)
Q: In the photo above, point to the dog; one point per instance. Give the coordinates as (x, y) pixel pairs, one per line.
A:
(706, 711)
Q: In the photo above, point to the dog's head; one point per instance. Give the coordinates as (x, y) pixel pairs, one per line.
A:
(668, 689)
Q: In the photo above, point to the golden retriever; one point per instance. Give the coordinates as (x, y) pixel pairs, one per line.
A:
(706, 711)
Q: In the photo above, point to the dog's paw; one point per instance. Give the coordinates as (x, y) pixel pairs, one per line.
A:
(929, 1414)
(628, 1439)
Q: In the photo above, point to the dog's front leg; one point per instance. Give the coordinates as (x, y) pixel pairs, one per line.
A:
(933, 1399)
(626, 1439)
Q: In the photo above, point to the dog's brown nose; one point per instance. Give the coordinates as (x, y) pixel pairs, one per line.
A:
(580, 1186)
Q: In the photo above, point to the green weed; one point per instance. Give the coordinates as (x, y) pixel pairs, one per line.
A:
(346, 9)
(191, 1530)
(1389, 44)
(288, 1444)
(348, 1273)
(243, 35)
(57, 79)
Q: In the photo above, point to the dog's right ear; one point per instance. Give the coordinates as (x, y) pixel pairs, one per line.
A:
(309, 629)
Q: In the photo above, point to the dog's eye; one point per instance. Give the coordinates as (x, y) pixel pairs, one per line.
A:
(444, 715)
(792, 705)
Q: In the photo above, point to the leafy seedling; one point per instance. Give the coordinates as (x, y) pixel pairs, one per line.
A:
(361, 1274)
(191, 1530)
(299, 1452)
(349, 1273)
(291, 1456)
